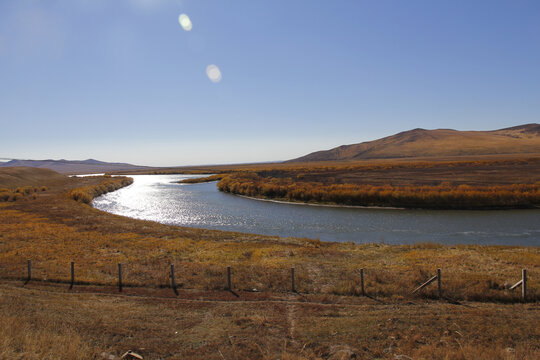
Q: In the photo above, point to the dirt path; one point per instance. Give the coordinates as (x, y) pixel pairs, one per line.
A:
(291, 320)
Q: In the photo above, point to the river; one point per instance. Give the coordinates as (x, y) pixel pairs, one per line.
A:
(159, 198)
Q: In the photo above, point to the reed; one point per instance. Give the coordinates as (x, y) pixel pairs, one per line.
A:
(442, 196)
(88, 193)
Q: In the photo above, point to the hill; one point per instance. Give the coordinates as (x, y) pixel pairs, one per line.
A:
(74, 166)
(12, 177)
(524, 139)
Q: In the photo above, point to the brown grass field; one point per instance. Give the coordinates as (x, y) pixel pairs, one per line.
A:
(477, 318)
(453, 183)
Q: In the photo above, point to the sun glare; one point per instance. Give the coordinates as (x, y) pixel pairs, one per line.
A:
(213, 73)
(185, 22)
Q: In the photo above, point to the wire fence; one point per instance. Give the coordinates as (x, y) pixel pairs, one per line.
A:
(363, 282)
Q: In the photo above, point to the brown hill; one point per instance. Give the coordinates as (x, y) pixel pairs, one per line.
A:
(524, 139)
(12, 177)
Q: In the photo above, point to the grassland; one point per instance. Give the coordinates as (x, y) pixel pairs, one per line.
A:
(457, 183)
(50, 322)
(478, 318)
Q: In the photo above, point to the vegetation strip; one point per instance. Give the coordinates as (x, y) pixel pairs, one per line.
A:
(465, 184)
(88, 193)
(442, 196)
(202, 179)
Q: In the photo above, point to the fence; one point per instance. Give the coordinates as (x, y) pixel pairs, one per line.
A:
(293, 281)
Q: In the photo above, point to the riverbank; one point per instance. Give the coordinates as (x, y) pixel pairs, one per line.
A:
(161, 199)
(98, 240)
(203, 179)
(482, 184)
(53, 229)
(438, 197)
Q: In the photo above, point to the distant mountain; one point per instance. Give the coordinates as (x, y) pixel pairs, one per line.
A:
(521, 139)
(74, 166)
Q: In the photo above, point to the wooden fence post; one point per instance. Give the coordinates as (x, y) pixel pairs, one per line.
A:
(439, 282)
(29, 263)
(432, 279)
(229, 278)
(293, 288)
(119, 277)
(72, 275)
(524, 284)
(173, 283)
(362, 282)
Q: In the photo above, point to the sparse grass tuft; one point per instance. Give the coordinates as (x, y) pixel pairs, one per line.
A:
(20, 192)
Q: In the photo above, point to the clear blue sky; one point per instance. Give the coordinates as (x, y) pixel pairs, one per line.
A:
(122, 81)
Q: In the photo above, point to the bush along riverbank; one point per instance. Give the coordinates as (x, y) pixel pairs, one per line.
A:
(442, 196)
(202, 179)
(88, 193)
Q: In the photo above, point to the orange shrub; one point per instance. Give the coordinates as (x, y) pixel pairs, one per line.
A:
(442, 196)
(88, 193)
(4, 194)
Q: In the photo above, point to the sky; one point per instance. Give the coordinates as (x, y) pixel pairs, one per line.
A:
(123, 81)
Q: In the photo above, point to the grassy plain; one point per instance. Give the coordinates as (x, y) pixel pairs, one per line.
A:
(478, 318)
(451, 183)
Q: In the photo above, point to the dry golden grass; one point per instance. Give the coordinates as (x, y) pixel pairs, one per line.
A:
(54, 230)
(263, 263)
(490, 169)
(14, 177)
(464, 184)
(202, 179)
(50, 322)
(327, 319)
(8, 195)
(442, 196)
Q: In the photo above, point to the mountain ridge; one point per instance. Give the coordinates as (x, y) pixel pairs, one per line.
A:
(73, 166)
(418, 142)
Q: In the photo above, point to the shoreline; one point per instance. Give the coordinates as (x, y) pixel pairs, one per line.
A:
(483, 203)
(381, 207)
(392, 238)
(321, 204)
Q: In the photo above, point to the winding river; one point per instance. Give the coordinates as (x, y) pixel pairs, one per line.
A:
(159, 198)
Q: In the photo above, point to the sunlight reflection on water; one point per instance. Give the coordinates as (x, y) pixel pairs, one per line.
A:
(159, 198)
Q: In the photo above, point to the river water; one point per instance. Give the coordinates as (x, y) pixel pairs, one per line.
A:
(158, 198)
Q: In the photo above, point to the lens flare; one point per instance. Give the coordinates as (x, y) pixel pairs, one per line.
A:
(185, 22)
(213, 73)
